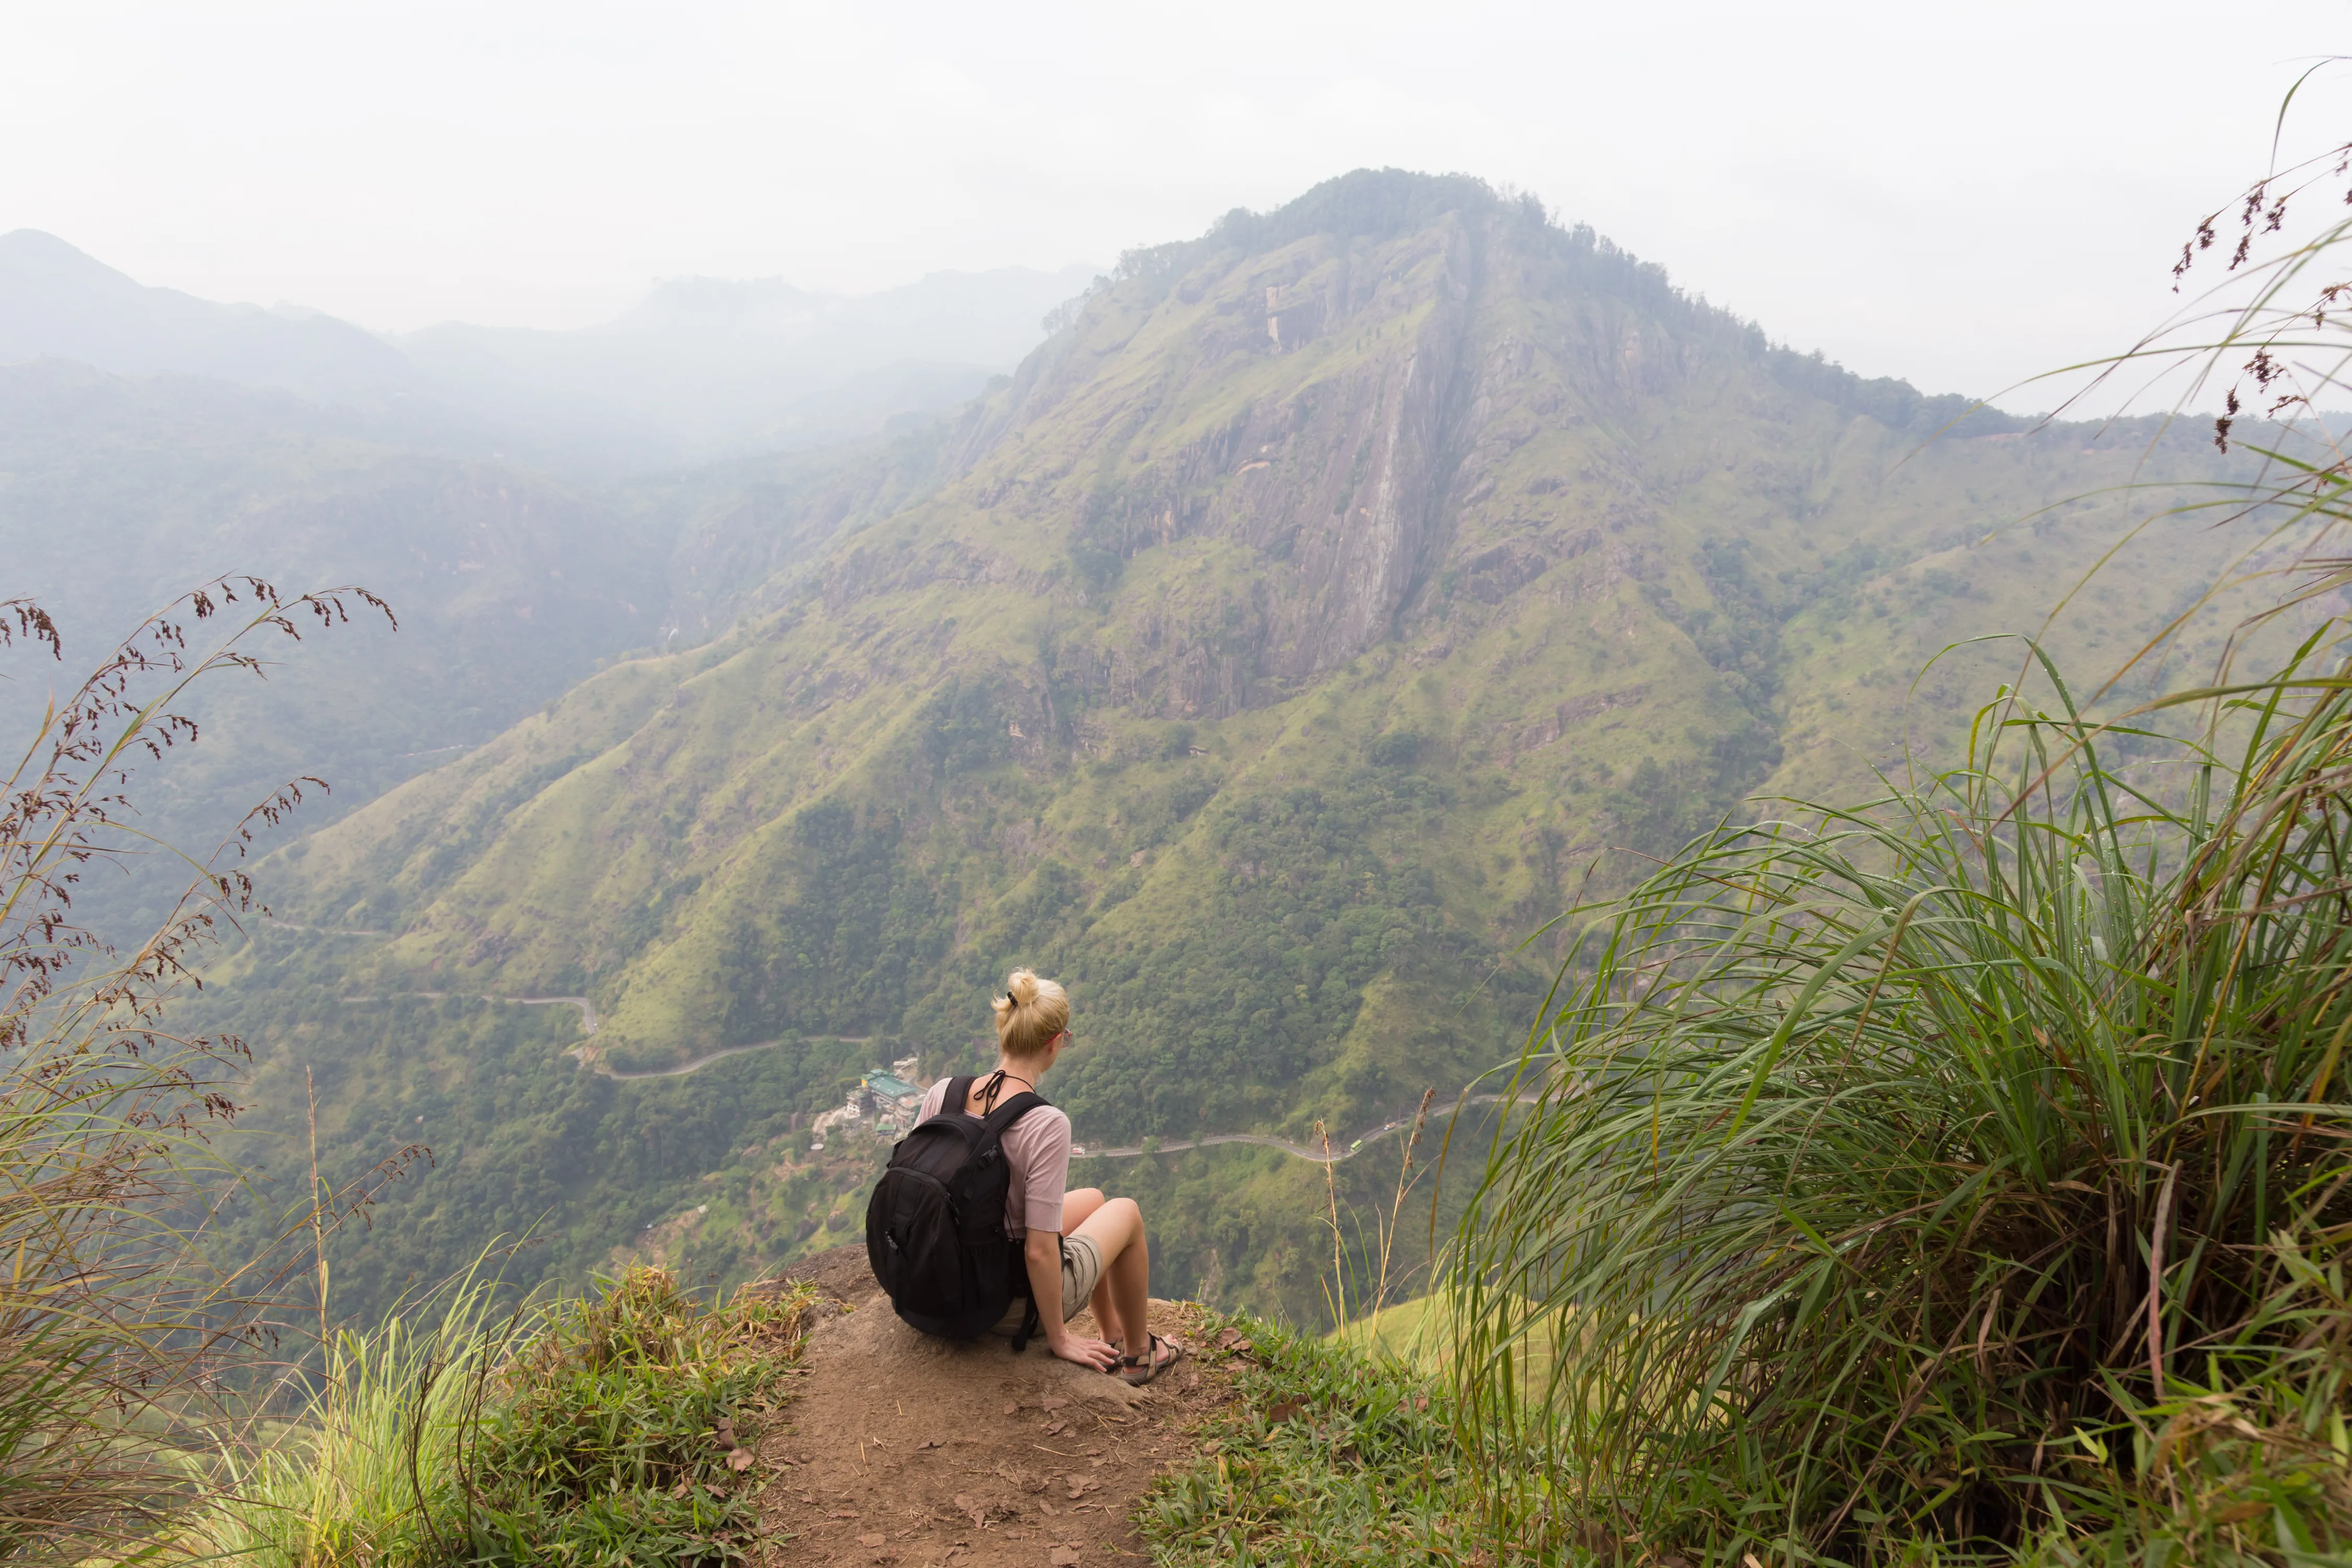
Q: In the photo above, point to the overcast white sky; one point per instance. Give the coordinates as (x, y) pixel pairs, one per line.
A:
(1958, 195)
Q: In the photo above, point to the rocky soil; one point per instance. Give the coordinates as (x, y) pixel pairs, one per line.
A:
(900, 1449)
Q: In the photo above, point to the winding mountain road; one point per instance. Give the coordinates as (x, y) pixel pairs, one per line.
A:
(697, 1064)
(587, 1008)
(1330, 1155)
(589, 1026)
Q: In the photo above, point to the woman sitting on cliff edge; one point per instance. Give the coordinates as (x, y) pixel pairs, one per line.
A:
(1081, 1248)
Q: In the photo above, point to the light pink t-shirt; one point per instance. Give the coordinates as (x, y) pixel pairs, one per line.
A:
(1037, 1148)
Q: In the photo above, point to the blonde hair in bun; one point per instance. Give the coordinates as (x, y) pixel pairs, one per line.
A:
(1031, 1011)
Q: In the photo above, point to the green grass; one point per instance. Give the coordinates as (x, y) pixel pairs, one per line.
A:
(1909, 1177)
(1326, 1456)
(599, 1432)
(1421, 1334)
(623, 1433)
(342, 1481)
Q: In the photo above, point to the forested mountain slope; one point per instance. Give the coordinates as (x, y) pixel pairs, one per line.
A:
(118, 495)
(1286, 642)
(511, 582)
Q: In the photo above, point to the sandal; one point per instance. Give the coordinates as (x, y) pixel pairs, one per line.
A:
(1158, 1362)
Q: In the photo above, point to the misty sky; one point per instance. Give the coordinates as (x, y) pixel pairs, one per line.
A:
(1959, 194)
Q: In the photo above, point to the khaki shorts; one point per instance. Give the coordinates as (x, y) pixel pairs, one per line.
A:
(1081, 1272)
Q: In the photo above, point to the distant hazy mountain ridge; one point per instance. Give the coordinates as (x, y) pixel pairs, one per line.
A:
(491, 497)
(58, 303)
(708, 366)
(702, 368)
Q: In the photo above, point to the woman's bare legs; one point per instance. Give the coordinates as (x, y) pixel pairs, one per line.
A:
(1076, 1204)
(1121, 1301)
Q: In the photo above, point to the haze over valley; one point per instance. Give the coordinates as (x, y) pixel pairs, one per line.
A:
(530, 502)
(1272, 648)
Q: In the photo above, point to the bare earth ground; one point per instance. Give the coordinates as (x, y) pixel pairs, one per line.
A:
(901, 1449)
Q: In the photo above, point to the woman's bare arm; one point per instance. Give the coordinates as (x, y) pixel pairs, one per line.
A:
(1043, 1254)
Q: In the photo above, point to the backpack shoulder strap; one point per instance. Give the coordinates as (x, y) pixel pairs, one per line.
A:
(958, 1091)
(1000, 1121)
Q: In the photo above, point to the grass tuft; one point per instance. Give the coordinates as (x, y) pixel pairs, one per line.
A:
(1958, 1174)
(608, 1431)
(623, 1432)
(343, 1482)
(1327, 1455)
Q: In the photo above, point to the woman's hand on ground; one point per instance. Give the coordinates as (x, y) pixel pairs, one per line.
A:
(1095, 1353)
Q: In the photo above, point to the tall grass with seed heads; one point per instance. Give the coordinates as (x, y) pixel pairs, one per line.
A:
(110, 1318)
(1967, 1173)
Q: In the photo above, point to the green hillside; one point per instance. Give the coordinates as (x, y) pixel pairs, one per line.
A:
(1303, 626)
(511, 583)
(119, 495)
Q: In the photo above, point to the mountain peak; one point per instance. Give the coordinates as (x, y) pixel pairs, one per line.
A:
(1289, 638)
(1362, 203)
(58, 301)
(34, 257)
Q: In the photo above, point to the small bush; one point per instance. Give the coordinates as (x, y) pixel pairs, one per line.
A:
(615, 1436)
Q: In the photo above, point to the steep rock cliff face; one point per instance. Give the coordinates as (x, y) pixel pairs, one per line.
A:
(1343, 407)
(1330, 466)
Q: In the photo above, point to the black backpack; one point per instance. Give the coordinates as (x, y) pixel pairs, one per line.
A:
(935, 1226)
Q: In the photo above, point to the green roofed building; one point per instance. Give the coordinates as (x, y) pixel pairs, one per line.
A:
(892, 1093)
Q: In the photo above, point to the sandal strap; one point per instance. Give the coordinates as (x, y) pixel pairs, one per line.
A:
(1150, 1358)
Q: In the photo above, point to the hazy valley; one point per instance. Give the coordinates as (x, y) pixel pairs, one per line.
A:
(1328, 604)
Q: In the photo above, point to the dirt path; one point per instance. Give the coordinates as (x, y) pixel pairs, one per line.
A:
(902, 1450)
